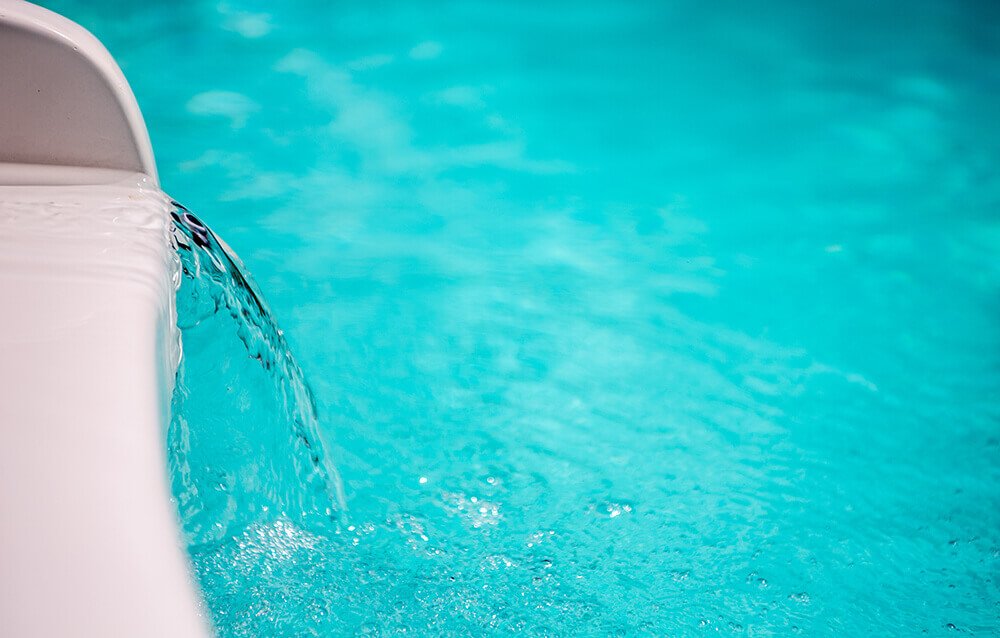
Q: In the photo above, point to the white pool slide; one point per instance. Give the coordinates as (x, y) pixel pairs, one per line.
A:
(89, 540)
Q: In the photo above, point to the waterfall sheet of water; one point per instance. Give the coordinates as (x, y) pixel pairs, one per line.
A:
(244, 443)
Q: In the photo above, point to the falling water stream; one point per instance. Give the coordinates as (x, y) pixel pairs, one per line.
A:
(245, 446)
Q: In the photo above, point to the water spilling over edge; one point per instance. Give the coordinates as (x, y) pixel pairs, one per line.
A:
(244, 442)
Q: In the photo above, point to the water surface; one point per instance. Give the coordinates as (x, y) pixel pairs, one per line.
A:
(620, 318)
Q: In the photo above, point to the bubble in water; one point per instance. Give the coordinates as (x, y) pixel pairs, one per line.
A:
(800, 597)
(612, 509)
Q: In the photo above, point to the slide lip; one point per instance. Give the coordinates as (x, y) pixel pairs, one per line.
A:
(88, 350)
(18, 15)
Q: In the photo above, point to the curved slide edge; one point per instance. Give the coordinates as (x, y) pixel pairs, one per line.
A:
(90, 543)
(63, 99)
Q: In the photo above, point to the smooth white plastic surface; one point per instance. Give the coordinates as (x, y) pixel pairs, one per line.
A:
(89, 540)
(63, 100)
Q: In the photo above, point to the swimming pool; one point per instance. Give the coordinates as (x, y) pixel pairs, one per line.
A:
(619, 319)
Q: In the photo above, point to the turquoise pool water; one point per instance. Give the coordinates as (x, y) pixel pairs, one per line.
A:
(619, 318)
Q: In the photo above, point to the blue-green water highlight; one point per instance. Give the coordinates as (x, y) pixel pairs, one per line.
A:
(638, 318)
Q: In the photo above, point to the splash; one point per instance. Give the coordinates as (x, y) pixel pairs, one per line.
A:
(245, 448)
